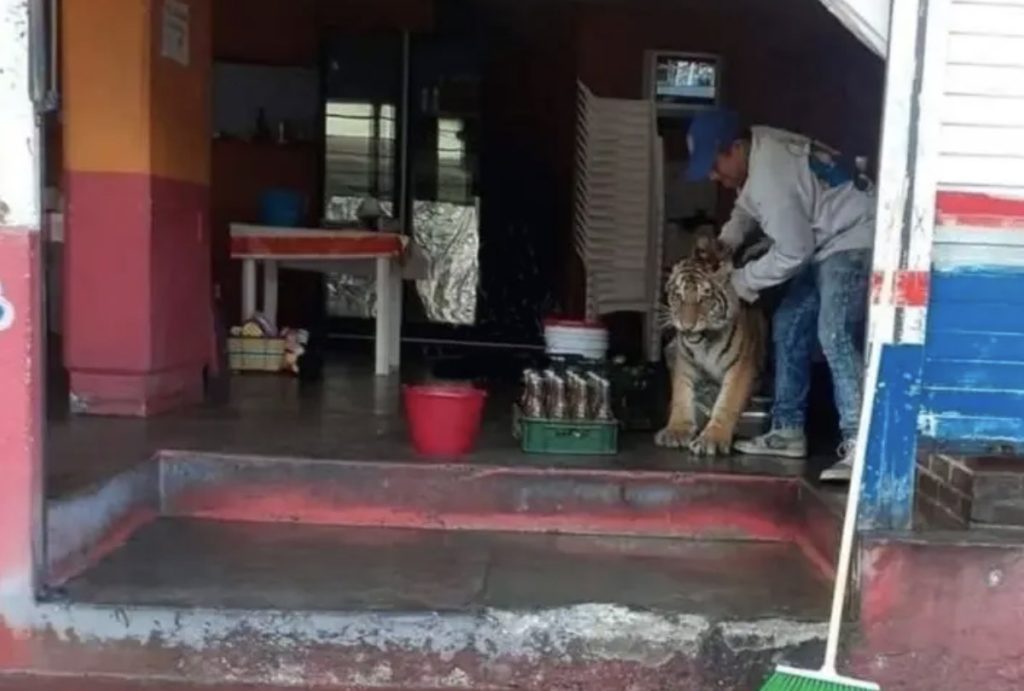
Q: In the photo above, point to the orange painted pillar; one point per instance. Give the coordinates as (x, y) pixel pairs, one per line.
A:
(136, 99)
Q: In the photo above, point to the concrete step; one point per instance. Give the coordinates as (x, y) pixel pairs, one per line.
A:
(83, 526)
(321, 606)
(177, 562)
(202, 569)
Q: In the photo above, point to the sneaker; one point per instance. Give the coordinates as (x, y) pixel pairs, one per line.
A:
(786, 443)
(843, 470)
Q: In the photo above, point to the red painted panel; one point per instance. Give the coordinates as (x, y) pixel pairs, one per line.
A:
(979, 210)
(910, 290)
(20, 419)
(346, 245)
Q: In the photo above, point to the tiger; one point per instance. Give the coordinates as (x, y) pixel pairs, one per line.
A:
(717, 337)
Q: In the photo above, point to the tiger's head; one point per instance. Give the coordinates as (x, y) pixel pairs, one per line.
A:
(699, 294)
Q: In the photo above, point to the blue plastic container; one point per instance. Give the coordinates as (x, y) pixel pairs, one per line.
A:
(281, 207)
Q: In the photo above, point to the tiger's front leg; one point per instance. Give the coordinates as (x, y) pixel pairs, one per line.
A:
(682, 420)
(716, 437)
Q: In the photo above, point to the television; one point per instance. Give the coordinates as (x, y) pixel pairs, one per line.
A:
(684, 81)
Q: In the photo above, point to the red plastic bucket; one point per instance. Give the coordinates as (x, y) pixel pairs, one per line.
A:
(444, 420)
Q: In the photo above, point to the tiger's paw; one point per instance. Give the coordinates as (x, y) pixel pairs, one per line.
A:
(714, 440)
(674, 437)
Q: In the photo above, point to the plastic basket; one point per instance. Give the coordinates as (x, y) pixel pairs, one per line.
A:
(568, 437)
(255, 354)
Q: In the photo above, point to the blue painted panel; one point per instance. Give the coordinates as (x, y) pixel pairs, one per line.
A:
(997, 317)
(974, 346)
(889, 475)
(972, 374)
(981, 285)
(973, 431)
(974, 402)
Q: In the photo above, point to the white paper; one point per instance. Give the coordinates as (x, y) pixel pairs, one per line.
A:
(174, 32)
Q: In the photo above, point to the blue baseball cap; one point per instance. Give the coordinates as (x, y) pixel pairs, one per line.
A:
(710, 132)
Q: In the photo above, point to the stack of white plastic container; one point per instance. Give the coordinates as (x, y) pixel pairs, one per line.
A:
(576, 338)
(618, 207)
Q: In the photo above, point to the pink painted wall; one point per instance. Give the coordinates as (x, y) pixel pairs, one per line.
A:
(20, 416)
(942, 614)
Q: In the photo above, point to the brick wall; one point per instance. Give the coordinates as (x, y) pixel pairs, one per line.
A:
(945, 487)
(957, 491)
(998, 491)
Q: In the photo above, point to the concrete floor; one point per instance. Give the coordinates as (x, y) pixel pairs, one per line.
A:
(212, 570)
(350, 415)
(196, 563)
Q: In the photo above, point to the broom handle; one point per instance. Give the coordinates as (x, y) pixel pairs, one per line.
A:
(852, 504)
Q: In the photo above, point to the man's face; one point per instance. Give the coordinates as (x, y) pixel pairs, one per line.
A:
(731, 166)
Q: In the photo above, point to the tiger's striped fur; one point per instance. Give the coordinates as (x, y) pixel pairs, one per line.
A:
(718, 336)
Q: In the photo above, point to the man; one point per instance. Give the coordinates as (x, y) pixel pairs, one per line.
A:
(820, 222)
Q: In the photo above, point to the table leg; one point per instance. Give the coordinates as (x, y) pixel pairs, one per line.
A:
(270, 291)
(397, 297)
(382, 344)
(248, 288)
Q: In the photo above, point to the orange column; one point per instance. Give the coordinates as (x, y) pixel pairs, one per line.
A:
(138, 314)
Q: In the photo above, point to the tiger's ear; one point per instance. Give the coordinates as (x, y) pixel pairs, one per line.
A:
(709, 250)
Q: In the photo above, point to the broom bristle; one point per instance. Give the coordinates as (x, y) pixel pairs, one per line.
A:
(787, 679)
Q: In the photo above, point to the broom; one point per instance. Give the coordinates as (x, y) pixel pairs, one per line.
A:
(826, 678)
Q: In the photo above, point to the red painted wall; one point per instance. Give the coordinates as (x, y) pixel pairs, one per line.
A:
(942, 614)
(788, 64)
(282, 32)
(241, 171)
(288, 32)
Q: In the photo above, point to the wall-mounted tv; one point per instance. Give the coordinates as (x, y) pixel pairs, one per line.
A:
(685, 81)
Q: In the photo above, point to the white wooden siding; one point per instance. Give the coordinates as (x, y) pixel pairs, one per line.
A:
(981, 111)
(868, 20)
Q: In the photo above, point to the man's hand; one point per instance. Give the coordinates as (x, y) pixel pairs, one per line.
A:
(755, 250)
(740, 286)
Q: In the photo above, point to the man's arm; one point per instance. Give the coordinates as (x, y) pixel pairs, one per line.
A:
(792, 247)
(740, 223)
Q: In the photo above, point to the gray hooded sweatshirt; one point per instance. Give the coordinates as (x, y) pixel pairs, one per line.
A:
(805, 217)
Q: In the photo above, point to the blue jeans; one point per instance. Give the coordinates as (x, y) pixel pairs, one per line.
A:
(827, 300)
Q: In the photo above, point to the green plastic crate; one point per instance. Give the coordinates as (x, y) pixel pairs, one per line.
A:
(569, 437)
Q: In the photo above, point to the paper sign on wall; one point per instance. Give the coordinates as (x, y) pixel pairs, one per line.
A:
(174, 39)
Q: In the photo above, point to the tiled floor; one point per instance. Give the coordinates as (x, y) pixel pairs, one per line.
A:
(186, 562)
(350, 415)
